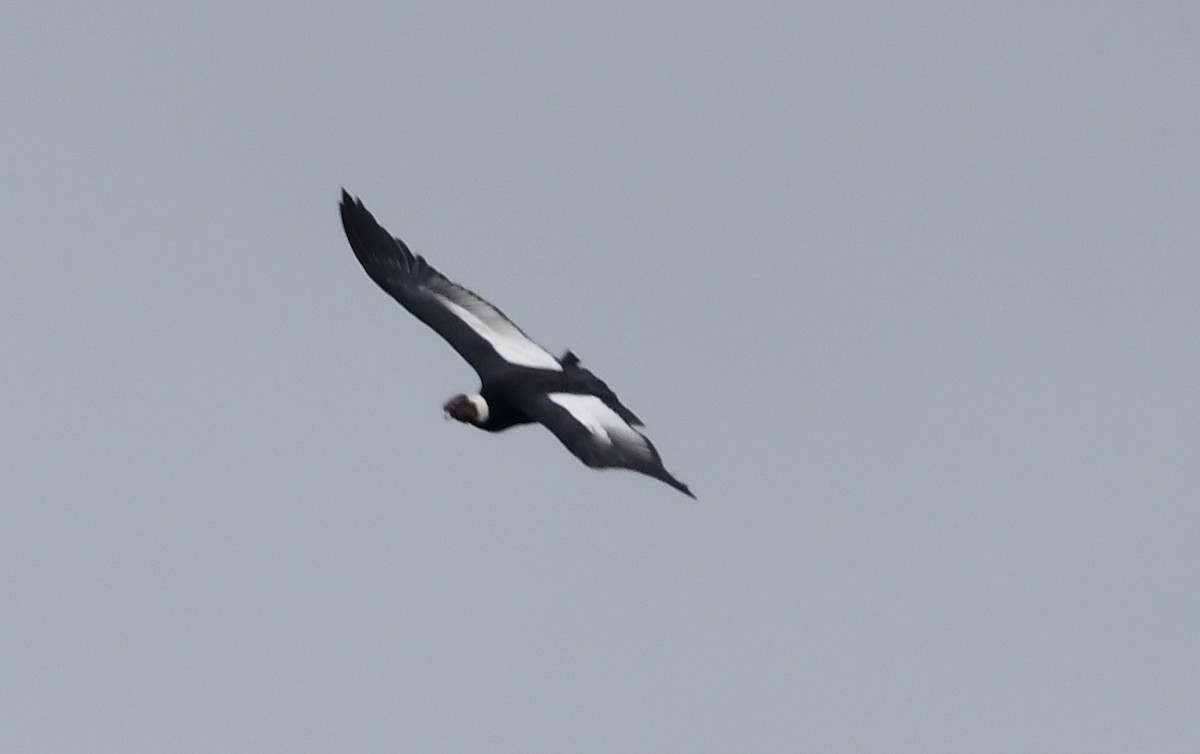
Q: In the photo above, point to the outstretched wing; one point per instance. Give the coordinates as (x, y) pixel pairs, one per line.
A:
(596, 386)
(598, 435)
(480, 332)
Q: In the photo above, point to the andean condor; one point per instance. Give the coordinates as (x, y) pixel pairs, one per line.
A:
(521, 382)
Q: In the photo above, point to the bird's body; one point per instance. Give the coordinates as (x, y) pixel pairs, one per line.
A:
(521, 382)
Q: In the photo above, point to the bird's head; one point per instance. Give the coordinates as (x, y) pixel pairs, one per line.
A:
(472, 409)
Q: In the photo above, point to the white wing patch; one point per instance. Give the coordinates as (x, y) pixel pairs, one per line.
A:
(512, 344)
(604, 423)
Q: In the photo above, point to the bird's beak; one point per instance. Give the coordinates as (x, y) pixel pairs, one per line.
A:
(446, 415)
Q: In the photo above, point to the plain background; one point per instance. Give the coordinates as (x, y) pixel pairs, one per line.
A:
(906, 292)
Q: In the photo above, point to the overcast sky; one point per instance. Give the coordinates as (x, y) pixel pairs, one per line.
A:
(907, 293)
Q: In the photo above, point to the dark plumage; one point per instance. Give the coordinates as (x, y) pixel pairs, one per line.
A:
(522, 383)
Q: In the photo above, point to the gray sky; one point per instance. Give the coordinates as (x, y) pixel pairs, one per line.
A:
(909, 297)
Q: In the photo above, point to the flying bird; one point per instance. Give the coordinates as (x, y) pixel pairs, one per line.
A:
(521, 382)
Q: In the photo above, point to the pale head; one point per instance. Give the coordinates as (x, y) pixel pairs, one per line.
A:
(472, 409)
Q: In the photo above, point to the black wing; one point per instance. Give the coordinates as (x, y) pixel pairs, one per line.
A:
(596, 386)
(480, 332)
(598, 435)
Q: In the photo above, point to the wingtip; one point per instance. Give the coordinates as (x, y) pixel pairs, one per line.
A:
(679, 485)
